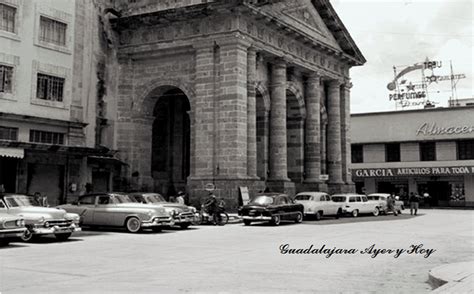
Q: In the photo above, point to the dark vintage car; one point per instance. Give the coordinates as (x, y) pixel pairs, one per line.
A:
(119, 210)
(182, 215)
(11, 227)
(272, 207)
(39, 220)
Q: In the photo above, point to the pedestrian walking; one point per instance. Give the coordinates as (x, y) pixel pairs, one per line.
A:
(180, 198)
(414, 203)
(391, 205)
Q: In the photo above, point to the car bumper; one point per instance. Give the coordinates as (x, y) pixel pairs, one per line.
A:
(184, 219)
(257, 218)
(158, 223)
(12, 233)
(57, 230)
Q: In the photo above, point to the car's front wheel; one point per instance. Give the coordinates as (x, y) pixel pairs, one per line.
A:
(157, 229)
(27, 236)
(376, 211)
(63, 237)
(133, 224)
(247, 222)
(299, 217)
(317, 215)
(355, 213)
(276, 220)
(4, 242)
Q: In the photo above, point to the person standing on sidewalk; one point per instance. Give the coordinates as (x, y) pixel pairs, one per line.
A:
(391, 204)
(414, 203)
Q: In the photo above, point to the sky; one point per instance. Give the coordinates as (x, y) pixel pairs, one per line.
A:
(402, 33)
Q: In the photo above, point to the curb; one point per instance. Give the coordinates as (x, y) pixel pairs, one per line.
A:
(452, 278)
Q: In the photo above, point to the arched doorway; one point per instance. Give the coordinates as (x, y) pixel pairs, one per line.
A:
(170, 152)
(295, 137)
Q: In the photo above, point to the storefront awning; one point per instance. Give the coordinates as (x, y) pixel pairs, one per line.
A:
(12, 152)
(105, 159)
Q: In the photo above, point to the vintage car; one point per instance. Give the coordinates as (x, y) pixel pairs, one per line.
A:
(119, 210)
(11, 227)
(182, 215)
(39, 220)
(318, 204)
(381, 199)
(272, 207)
(355, 204)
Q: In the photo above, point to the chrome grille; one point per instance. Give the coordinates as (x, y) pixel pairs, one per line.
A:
(59, 222)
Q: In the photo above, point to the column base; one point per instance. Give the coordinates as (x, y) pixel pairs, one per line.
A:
(226, 188)
(311, 186)
(281, 186)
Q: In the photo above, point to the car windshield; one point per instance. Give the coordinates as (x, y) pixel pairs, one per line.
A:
(262, 200)
(303, 197)
(338, 198)
(21, 200)
(124, 199)
(155, 198)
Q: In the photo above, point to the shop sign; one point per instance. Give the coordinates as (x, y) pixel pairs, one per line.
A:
(432, 129)
(413, 171)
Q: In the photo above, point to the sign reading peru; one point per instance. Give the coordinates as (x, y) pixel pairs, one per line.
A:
(413, 171)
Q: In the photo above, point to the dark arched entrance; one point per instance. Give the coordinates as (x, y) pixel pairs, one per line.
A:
(170, 158)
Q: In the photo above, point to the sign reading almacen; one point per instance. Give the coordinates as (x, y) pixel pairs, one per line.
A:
(432, 129)
(412, 171)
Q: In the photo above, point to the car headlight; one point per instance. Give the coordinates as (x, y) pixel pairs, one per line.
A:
(193, 209)
(41, 219)
(46, 224)
(20, 223)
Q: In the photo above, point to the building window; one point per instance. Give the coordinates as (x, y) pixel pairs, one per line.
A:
(52, 31)
(357, 153)
(6, 73)
(49, 87)
(8, 134)
(428, 151)
(7, 18)
(392, 152)
(465, 149)
(46, 137)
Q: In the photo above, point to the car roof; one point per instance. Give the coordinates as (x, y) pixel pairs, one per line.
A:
(312, 193)
(104, 193)
(271, 194)
(348, 194)
(379, 194)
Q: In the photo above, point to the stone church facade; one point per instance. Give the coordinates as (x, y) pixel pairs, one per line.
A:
(233, 93)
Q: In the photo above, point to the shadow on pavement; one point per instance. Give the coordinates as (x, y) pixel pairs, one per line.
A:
(359, 219)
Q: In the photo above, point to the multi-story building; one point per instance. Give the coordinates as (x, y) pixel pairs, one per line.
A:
(48, 105)
(421, 151)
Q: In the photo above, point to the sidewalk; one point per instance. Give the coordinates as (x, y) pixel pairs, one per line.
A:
(453, 278)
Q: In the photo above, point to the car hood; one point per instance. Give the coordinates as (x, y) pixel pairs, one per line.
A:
(256, 206)
(33, 212)
(6, 217)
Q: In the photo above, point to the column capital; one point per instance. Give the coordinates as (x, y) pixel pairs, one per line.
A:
(335, 82)
(252, 50)
(347, 84)
(314, 77)
(279, 62)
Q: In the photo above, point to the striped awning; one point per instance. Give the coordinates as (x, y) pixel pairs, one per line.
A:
(12, 152)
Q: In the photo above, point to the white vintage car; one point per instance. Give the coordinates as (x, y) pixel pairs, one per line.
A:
(117, 209)
(355, 204)
(11, 227)
(318, 204)
(39, 220)
(381, 199)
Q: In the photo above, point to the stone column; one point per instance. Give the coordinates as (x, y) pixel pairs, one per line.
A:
(278, 156)
(334, 133)
(312, 158)
(345, 131)
(203, 127)
(251, 113)
(232, 115)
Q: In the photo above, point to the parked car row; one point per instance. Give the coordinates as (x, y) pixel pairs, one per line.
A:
(22, 216)
(275, 207)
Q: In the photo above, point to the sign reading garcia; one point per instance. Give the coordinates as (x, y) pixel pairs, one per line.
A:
(413, 171)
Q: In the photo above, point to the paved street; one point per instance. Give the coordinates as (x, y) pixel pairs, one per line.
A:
(239, 259)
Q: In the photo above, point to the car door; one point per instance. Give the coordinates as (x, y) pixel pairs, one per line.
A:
(85, 208)
(103, 211)
(367, 206)
(331, 206)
